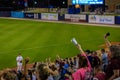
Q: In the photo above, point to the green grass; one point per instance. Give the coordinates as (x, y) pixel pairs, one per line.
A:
(40, 40)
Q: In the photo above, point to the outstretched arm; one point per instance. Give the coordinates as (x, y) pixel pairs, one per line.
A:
(83, 54)
(106, 39)
(80, 49)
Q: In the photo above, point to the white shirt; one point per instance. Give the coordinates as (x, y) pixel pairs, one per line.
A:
(19, 59)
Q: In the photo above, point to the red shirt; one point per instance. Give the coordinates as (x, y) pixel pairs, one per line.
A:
(114, 64)
(100, 76)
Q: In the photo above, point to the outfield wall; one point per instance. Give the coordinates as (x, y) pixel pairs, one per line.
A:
(99, 19)
(5, 14)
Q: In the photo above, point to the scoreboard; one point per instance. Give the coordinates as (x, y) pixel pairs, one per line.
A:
(87, 2)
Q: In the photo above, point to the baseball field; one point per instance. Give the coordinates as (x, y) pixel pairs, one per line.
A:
(40, 40)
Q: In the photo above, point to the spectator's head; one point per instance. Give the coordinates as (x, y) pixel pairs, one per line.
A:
(42, 72)
(115, 51)
(75, 58)
(102, 51)
(8, 74)
(82, 62)
(94, 53)
(87, 51)
(97, 69)
(19, 53)
(53, 67)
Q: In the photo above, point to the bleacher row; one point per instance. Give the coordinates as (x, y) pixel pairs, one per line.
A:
(100, 19)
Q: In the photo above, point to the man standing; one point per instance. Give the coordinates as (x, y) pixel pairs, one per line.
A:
(19, 60)
(104, 59)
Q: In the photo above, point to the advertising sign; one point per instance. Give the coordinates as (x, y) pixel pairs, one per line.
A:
(93, 19)
(75, 18)
(104, 19)
(36, 16)
(29, 15)
(107, 19)
(17, 14)
(49, 16)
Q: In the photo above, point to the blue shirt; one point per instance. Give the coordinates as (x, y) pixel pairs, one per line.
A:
(105, 59)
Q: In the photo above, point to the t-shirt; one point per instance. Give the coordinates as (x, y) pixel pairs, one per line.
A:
(104, 59)
(19, 59)
(80, 74)
(100, 76)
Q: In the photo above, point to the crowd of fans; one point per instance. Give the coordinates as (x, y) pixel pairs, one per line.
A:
(99, 11)
(85, 66)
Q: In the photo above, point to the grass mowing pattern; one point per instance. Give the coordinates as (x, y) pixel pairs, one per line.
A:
(40, 40)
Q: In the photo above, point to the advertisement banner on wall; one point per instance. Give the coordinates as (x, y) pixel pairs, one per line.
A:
(36, 16)
(93, 19)
(44, 16)
(75, 18)
(49, 16)
(53, 17)
(67, 16)
(101, 19)
(17, 14)
(107, 19)
(29, 15)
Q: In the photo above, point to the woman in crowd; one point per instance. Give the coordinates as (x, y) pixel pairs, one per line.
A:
(84, 66)
(113, 68)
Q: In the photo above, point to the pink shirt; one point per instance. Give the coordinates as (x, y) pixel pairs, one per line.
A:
(80, 73)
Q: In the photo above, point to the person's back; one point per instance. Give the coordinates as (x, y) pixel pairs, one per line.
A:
(80, 73)
(96, 60)
(99, 74)
(90, 58)
(113, 69)
(113, 65)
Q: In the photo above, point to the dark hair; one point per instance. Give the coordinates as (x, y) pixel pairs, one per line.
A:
(103, 50)
(87, 51)
(107, 34)
(53, 67)
(94, 52)
(43, 73)
(82, 62)
(115, 51)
